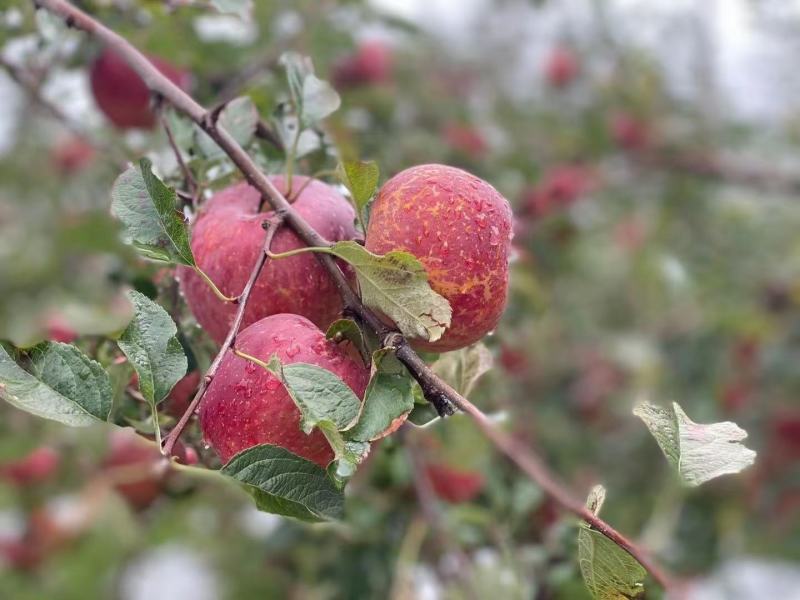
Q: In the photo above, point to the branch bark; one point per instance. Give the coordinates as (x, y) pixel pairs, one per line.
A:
(271, 226)
(437, 391)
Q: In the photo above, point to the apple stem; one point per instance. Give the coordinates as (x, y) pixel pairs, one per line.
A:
(526, 459)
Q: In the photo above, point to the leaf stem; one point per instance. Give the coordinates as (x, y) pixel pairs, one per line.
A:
(217, 292)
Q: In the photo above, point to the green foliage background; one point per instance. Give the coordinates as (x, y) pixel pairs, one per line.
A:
(702, 309)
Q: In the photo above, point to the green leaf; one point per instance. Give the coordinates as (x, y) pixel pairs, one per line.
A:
(422, 414)
(298, 67)
(239, 118)
(321, 396)
(63, 385)
(698, 452)
(151, 345)
(396, 284)
(349, 330)
(609, 572)
(147, 209)
(387, 399)
(286, 484)
(463, 368)
(319, 99)
(241, 8)
(361, 178)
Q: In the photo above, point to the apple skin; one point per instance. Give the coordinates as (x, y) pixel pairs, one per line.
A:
(122, 95)
(37, 467)
(465, 139)
(370, 64)
(137, 463)
(226, 239)
(72, 155)
(561, 67)
(245, 406)
(181, 395)
(454, 485)
(558, 188)
(630, 132)
(460, 228)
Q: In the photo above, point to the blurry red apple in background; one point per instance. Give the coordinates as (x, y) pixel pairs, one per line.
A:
(465, 139)
(559, 187)
(561, 67)
(57, 329)
(228, 235)
(71, 155)
(245, 405)
(134, 467)
(122, 95)
(630, 132)
(36, 467)
(370, 64)
(452, 484)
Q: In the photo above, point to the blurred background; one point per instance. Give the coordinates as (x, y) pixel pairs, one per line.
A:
(650, 152)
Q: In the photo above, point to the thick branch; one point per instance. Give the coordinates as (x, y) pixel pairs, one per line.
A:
(430, 382)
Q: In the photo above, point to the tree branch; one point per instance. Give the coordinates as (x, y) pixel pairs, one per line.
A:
(437, 391)
(271, 226)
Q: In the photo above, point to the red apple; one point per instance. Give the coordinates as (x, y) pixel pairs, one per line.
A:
(465, 139)
(182, 394)
(460, 228)
(134, 467)
(559, 187)
(561, 67)
(245, 405)
(122, 95)
(58, 329)
(452, 484)
(630, 132)
(72, 155)
(37, 467)
(226, 239)
(370, 64)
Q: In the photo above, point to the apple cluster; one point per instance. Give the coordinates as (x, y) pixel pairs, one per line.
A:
(458, 226)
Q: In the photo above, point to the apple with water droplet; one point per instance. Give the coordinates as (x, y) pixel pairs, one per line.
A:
(460, 229)
(245, 405)
(228, 236)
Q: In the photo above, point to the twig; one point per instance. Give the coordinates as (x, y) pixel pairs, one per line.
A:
(188, 178)
(271, 226)
(436, 390)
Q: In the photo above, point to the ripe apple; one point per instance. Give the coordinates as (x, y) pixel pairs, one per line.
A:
(36, 467)
(558, 188)
(72, 155)
(226, 239)
(245, 405)
(452, 484)
(133, 466)
(370, 64)
(460, 228)
(122, 95)
(561, 67)
(465, 139)
(630, 132)
(181, 394)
